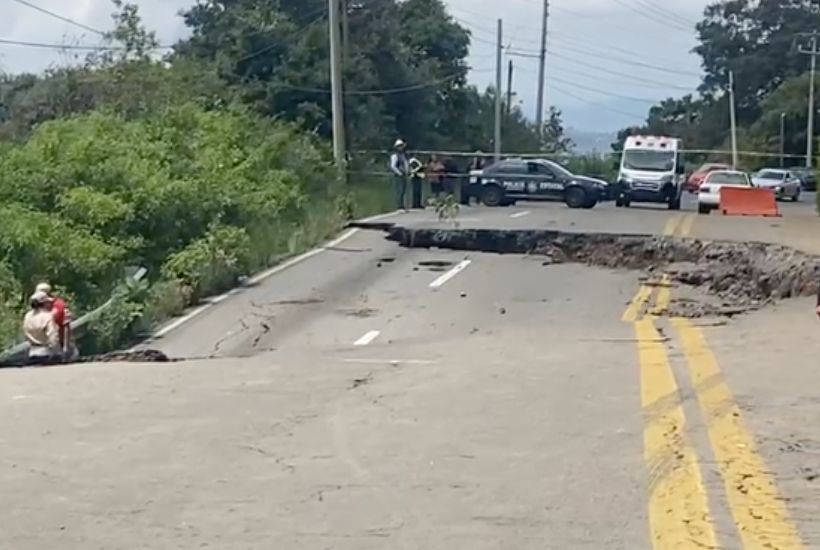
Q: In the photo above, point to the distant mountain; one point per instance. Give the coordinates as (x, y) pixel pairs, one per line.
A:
(589, 141)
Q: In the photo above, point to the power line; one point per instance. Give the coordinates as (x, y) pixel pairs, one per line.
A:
(596, 104)
(383, 91)
(628, 78)
(69, 46)
(523, 52)
(623, 79)
(627, 61)
(655, 17)
(577, 38)
(60, 17)
(603, 92)
(664, 12)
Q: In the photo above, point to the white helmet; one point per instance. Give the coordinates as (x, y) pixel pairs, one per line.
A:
(45, 288)
(399, 143)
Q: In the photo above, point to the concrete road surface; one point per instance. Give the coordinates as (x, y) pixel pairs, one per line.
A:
(377, 397)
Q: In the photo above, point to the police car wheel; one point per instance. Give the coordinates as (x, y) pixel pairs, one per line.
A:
(492, 195)
(575, 197)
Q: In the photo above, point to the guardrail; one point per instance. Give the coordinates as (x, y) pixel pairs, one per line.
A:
(16, 355)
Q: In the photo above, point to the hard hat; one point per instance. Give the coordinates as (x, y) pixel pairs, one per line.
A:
(399, 143)
(40, 298)
(43, 287)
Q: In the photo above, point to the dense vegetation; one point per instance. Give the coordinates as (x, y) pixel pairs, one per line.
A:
(756, 40)
(209, 162)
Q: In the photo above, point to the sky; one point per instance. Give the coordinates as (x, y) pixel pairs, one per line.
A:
(608, 60)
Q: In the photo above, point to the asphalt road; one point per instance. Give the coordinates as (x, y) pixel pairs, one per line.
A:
(371, 396)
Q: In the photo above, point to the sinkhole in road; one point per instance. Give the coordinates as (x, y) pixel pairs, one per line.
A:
(738, 276)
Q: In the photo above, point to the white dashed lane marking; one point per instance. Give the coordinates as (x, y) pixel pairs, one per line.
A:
(450, 274)
(367, 338)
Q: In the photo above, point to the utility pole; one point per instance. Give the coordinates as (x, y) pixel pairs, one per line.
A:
(782, 140)
(733, 118)
(337, 93)
(345, 34)
(498, 71)
(509, 87)
(813, 52)
(542, 69)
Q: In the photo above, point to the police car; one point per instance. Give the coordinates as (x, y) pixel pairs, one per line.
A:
(507, 181)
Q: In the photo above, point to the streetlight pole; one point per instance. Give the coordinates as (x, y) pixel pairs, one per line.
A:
(782, 140)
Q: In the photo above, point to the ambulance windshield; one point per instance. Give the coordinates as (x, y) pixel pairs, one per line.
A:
(649, 161)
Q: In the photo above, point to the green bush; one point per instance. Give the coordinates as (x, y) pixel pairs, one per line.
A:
(213, 263)
(198, 197)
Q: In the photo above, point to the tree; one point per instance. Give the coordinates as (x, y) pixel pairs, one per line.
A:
(405, 72)
(755, 39)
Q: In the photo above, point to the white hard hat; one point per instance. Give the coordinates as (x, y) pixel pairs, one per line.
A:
(40, 298)
(399, 143)
(43, 287)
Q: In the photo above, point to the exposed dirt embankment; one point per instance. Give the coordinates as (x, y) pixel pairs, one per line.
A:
(741, 275)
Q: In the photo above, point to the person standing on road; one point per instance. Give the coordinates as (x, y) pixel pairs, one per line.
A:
(478, 162)
(399, 168)
(451, 176)
(416, 178)
(436, 172)
(41, 331)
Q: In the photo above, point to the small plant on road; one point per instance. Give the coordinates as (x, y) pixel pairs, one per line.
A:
(447, 209)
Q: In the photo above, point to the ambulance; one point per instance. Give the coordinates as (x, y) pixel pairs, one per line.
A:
(651, 170)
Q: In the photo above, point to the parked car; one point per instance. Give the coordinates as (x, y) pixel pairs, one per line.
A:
(709, 191)
(507, 181)
(697, 177)
(807, 177)
(782, 181)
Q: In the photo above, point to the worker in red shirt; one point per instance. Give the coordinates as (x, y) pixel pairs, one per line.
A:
(62, 317)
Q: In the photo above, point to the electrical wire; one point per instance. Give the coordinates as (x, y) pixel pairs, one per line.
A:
(60, 17)
(624, 79)
(626, 61)
(600, 55)
(69, 46)
(664, 12)
(596, 104)
(627, 77)
(383, 91)
(655, 18)
(644, 100)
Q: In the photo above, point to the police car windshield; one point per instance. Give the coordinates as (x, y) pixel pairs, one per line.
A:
(649, 161)
(558, 169)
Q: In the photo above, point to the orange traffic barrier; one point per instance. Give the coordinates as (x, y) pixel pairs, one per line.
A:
(748, 201)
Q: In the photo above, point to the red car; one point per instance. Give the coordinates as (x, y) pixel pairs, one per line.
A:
(696, 179)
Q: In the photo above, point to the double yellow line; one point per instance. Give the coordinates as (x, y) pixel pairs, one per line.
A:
(679, 506)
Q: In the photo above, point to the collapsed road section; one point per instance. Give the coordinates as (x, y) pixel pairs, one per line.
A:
(740, 276)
